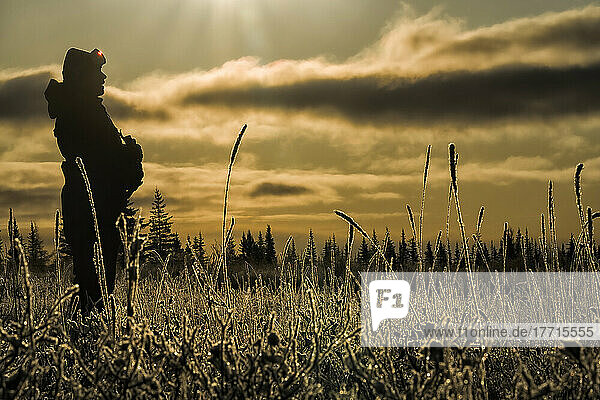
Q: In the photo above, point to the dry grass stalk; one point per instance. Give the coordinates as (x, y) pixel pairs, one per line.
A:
(57, 261)
(544, 241)
(448, 250)
(425, 173)
(504, 246)
(453, 159)
(28, 293)
(438, 243)
(234, 152)
(356, 226)
(577, 184)
(552, 226)
(524, 251)
(98, 259)
(348, 271)
(15, 260)
(477, 236)
(411, 221)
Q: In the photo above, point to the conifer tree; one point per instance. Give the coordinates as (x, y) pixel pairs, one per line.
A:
(402, 250)
(13, 235)
(64, 248)
(37, 256)
(413, 252)
(312, 249)
(428, 255)
(160, 237)
(198, 246)
(270, 254)
(364, 255)
(260, 249)
(457, 253)
(231, 251)
(248, 247)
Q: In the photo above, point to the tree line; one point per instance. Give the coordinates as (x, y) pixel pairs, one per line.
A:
(512, 252)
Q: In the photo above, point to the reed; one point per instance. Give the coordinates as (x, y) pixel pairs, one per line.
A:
(544, 241)
(504, 246)
(360, 230)
(98, 259)
(411, 221)
(453, 161)
(425, 173)
(234, 152)
(552, 226)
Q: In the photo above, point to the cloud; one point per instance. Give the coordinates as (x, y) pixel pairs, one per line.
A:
(278, 189)
(423, 68)
(468, 96)
(22, 97)
(22, 94)
(434, 42)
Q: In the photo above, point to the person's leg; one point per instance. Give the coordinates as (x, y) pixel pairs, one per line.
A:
(109, 236)
(79, 233)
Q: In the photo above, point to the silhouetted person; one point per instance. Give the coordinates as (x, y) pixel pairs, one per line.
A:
(84, 129)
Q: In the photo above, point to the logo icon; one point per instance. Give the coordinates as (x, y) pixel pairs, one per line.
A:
(389, 300)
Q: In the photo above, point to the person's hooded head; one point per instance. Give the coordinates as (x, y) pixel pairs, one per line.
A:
(82, 78)
(82, 71)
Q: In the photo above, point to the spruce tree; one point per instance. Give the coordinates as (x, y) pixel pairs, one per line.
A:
(428, 255)
(364, 255)
(260, 249)
(402, 250)
(64, 248)
(248, 247)
(270, 254)
(37, 256)
(13, 235)
(413, 252)
(198, 248)
(231, 251)
(312, 249)
(326, 254)
(160, 237)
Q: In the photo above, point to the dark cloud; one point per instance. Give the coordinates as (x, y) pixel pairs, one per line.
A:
(39, 199)
(518, 91)
(278, 189)
(22, 97)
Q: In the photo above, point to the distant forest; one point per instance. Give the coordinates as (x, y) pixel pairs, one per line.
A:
(514, 251)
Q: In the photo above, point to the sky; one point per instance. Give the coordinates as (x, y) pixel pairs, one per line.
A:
(341, 99)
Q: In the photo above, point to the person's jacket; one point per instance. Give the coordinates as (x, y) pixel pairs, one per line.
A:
(83, 128)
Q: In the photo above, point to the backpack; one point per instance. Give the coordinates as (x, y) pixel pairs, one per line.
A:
(132, 172)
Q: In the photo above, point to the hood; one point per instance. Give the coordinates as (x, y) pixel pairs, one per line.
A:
(56, 97)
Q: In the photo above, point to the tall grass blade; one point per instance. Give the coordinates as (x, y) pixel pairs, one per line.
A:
(453, 160)
(356, 226)
(425, 173)
(99, 261)
(234, 152)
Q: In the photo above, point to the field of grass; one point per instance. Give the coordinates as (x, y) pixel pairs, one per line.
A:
(208, 332)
